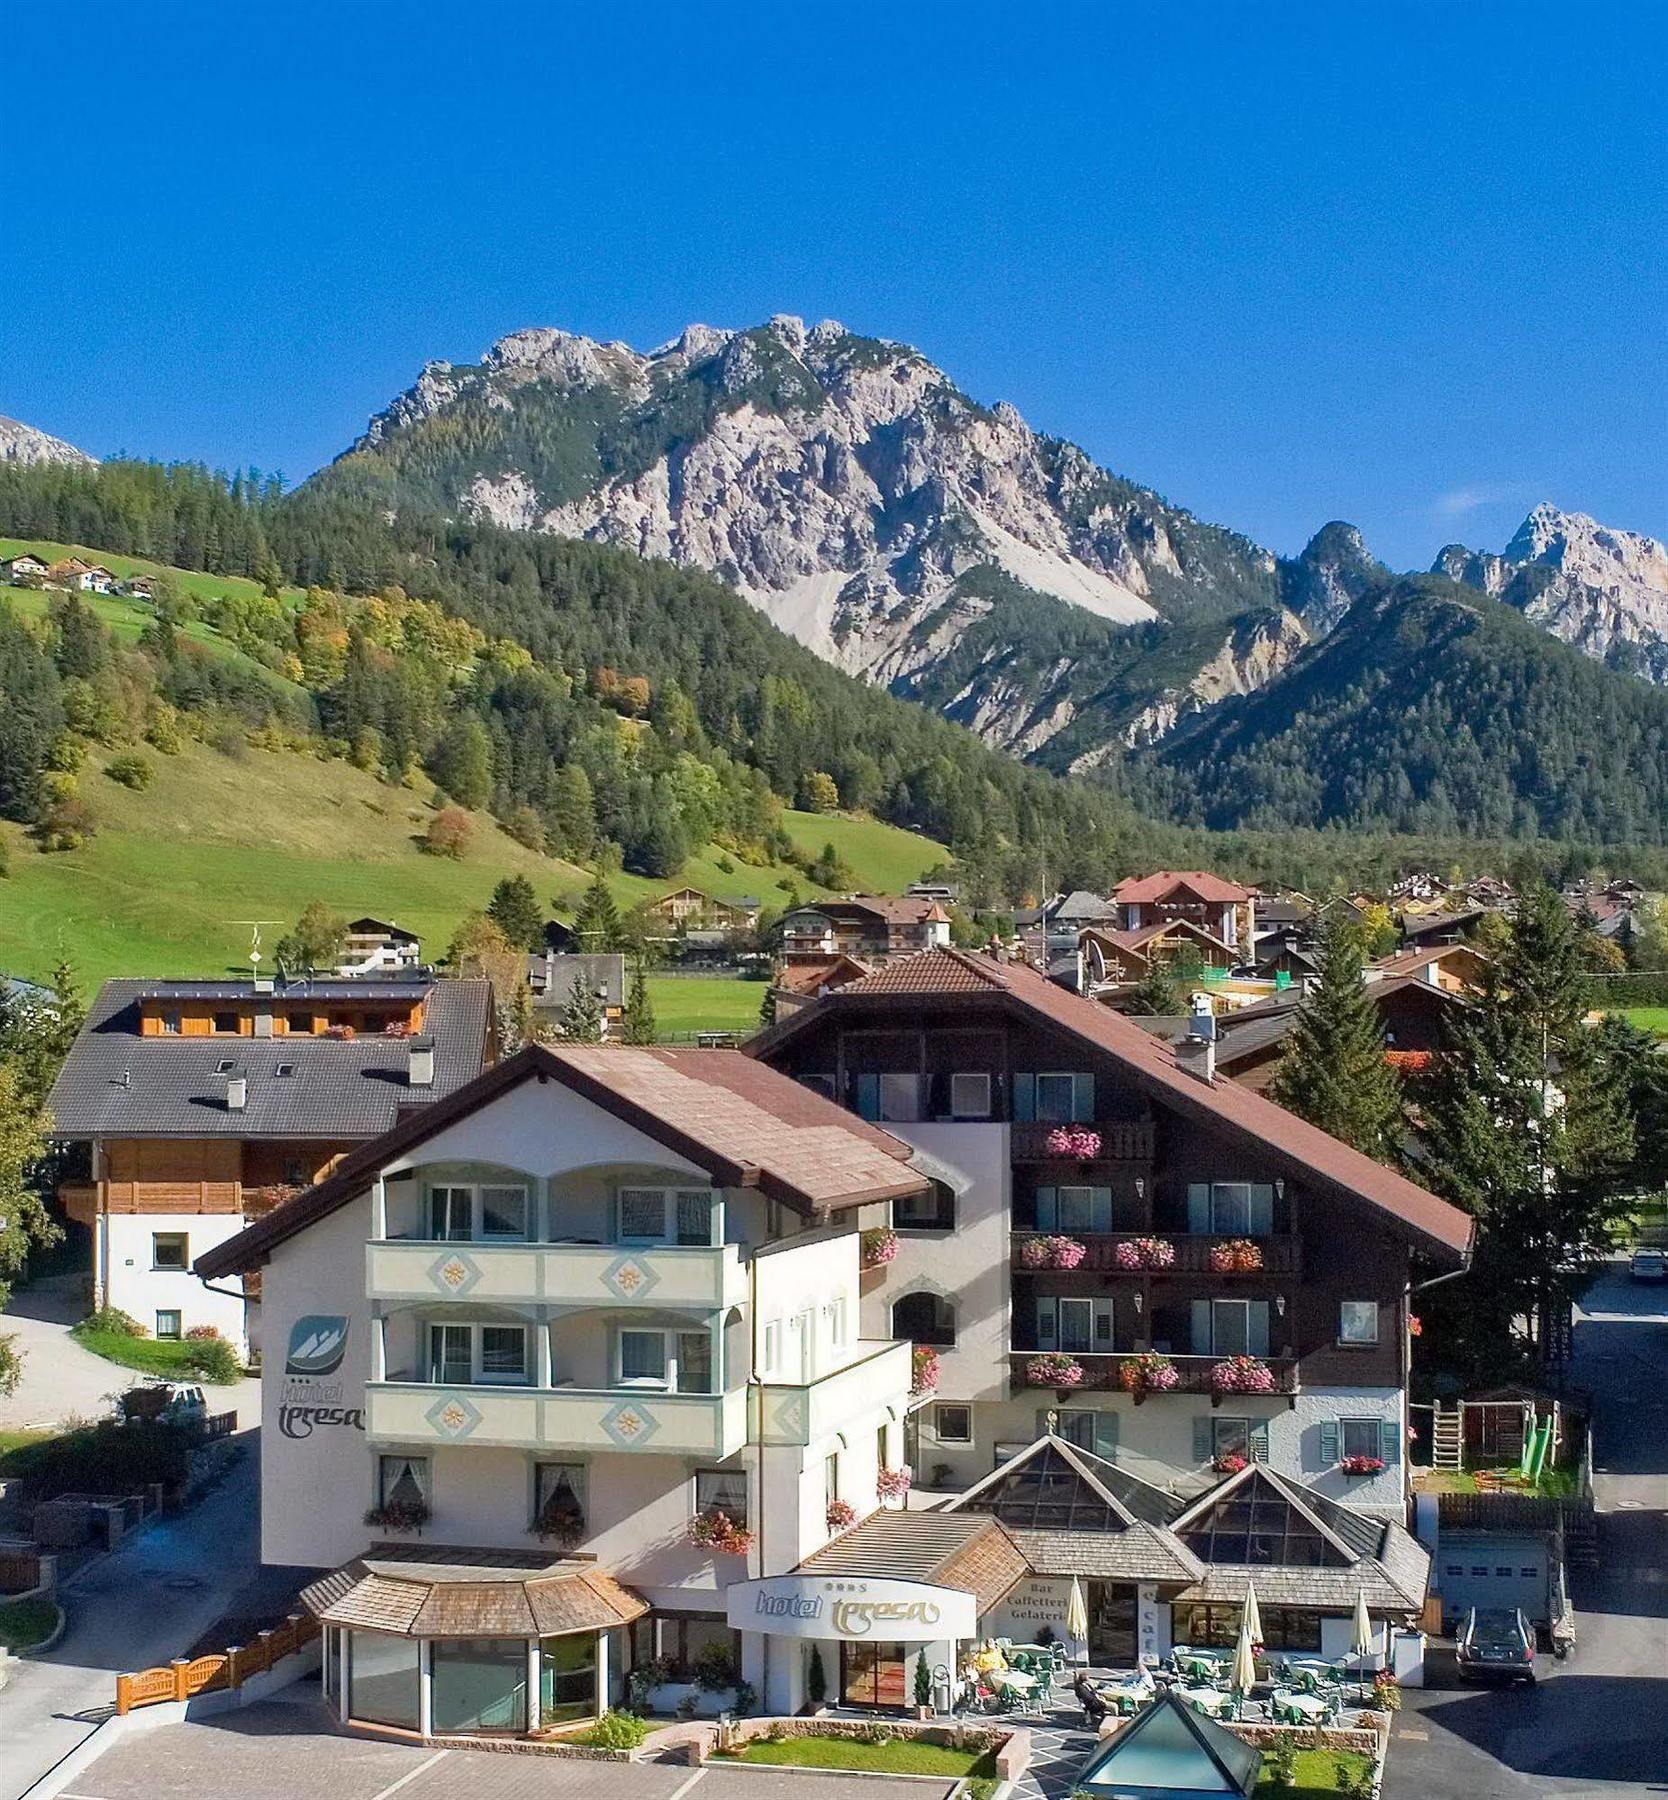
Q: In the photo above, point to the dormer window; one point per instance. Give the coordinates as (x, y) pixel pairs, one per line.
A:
(171, 1024)
(224, 1066)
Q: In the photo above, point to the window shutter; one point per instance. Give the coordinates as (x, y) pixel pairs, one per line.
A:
(1259, 1440)
(1047, 1320)
(1100, 1208)
(1047, 1208)
(1259, 1328)
(1390, 1441)
(1201, 1344)
(1103, 1324)
(1106, 1435)
(1025, 1097)
(1083, 1098)
(1198, 1206)
(868, 1097)
(1262, 1210)
(1328, 1443)
(1204, 1439)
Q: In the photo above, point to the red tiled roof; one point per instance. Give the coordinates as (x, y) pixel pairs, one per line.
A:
(738, 1119)
(1200, 882)
(1152, 1064)
(812, 977)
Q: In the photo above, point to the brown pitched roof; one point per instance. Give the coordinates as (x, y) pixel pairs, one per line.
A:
(969, 1551)
(1200, 882)
(1309, 1153)
(811, 977)
(741, 1121)
(423, 1590)
(1409, 962)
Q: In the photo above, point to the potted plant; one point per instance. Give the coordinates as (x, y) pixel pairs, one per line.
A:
(1126, 1255)
(923, 1369)
(841, 1515)
(892, 1485)
(1362, 1465)
(408, 1517)
(1033, 1252)
(1073, 1143)
(1053, 1369)
(923, 1687)
(1065, 1252)
(1154, 1253)
(878, 1246)
(1237, 1256)
(1242, 1375)
(1148, 1373)
(714, 1529)
(1387, 1692)
(816, 1681)
(561, 1521)
(1229, 1464)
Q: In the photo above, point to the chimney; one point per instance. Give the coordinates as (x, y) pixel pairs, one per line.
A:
(1196, 1052)
(419, 1069)
(237, 1091)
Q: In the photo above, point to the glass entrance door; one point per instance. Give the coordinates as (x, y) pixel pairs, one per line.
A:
(1112, 1624)
(872, 1674)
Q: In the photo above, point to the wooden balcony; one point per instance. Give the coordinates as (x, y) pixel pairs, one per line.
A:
(1280, 1255)
(83, 1199)
(1123, 1140)
(1100, 1375)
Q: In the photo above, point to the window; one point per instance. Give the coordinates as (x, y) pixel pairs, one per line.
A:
(1076, 1323)
(883, 1458)
(925, 1319)
(299, 1022)
(831, 1478)
(226, 1022)
(1231, 1208)
(567, 1678)
(677, 1361)
(969, 1096)
(459, 1214)
(559, 1482)
(503, 1353)
(725, 1491)
(643, 1357)
(680, 1638)
(225, 1066)
(478, 1684)
(171, 1024)
(1096, 1432)
(900, 1098)
(168, 1251)
(953, 1424)
(1358, 1322)
(1234, 1437)
(284, 1070)
(836, 1310)
(1080, 1208)
(504, 1212)
(383, 1678)
(770, 1354)
(1230, 1327)
(168, 1323)
(462, 1354)
(934, 1210)
(402, 1480)
(451, 1354)
(1065, 1099)
(665, 1215)
(1358, 1437)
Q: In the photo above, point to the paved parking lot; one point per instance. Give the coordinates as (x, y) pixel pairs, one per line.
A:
(289, 1751)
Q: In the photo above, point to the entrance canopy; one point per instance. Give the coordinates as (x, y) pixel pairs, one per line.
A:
(430, 1591)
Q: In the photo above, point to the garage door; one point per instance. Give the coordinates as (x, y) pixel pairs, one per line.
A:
(1491, 1569)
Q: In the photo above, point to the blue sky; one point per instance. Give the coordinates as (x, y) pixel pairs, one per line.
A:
(1400, 264)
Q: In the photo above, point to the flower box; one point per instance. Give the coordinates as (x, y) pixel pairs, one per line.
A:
(1231, 1464)
(1242, 1375)
(715, 1530)
(1054, 1369)
(1148, 1373)
(1362, 1465)
(561, 1523)
(1033, 1253)
(892, 1485)
(878, 1247)
(1073, 1143)
(841, 1515)
(1145, 1253)
(404, 1516)
(1236, 1256)
(923, 1369)
(1051, 1253)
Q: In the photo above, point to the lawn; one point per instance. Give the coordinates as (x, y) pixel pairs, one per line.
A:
(1317, 1774)
(11, 1441)
(901, 1756)
(175, 1361)
(1554, 1484)
(25, 1623)
(1648, 1018)
(690, 1003)
(188, 581)
(886, 859)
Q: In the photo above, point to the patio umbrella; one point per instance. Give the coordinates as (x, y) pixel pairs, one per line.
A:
(1252, 1618)
(1362, 1645)
(1077, 1618)
(1244, 1676)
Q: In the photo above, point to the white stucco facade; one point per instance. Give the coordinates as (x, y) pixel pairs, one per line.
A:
(153, 1282)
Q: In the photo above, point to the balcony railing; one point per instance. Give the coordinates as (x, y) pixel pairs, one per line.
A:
(809, 1412)
(1121, 1140)
(1192, 1251)
(675, 1276)
(1100, 1374)
(83, 1199)
(556, 1418)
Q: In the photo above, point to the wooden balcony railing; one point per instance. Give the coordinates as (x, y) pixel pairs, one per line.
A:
(82, 1199)
(1122, 1140)
(1100, 1374)
(1280, 1255)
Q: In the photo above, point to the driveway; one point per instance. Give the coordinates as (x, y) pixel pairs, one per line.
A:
(62, 1381)
(143, 1605)
(288, 1749)
(1597, 1726)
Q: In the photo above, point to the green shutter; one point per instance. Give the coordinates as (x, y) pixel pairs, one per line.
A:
(1048, 1202)
(1025, 1097)
(1259, 1440)
(1390, 1441)
(868, 1097)
(1083, 1099)
(1328, 1443)
(1100, 1209)
(1047, 1321)
(1200, 1346)
(1204, 1439)
(1258, 1327)
(1262, 1209)
(1198, 1206)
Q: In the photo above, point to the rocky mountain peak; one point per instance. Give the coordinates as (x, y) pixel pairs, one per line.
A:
(1333, 570)
(20, 443)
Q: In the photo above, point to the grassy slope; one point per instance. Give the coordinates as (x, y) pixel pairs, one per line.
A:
(887, 859)
(1648, 1018)
(189, 582)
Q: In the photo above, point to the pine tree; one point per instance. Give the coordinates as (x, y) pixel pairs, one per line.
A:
(1334, 1073)
(639, 1011)
(597, 923)
(573, 811)
(581, 1017)
(514, 909)
(1157, 995)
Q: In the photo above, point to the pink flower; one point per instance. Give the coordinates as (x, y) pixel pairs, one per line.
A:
(892, 1484)
(1055, 1369)
(878, 1247)
(1065, 1252)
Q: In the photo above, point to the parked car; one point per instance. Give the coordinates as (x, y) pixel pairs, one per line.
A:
(1647, 1264)
(1497, 1643)
(170, 1402)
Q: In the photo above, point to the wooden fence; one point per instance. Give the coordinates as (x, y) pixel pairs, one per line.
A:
(228, 1668)
(219, 1425)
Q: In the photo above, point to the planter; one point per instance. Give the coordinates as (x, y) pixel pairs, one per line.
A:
(1148, 1373)
(716, 1531)
(404, 1516)
(1051, 1253)
(892, 1485)
(1242, 1375)
(1238, 1256)
(878, 1247)
(1053, 1369)
(1229, 1465)
(923, 1370)
(1362, 1465)
(1145, 1253)
(1073, 1143)
(1033, 1253)
(841, 1515)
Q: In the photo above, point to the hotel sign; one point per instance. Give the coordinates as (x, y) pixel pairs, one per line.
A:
(852, 1608)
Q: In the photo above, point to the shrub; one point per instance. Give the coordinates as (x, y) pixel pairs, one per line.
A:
(214, 1360)
(645, 1678)
(11, 1363)
(816, 1681)
(449, 832)
(68, 824)
(111, 1320)
(1280, 1762)
(923, 1680)
(133, 769)
(201, 1334)
(714, 1668)
(106, 1458)
(747, 1697)
(616, 1731)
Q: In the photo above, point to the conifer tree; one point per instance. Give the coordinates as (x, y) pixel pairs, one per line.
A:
(639, 1011)
(514, 909)
(581, 1016)
(597, 923)
(1333, 1072)
(1157, 995)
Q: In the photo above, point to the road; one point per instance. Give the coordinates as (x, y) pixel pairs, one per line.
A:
(62, 1381)
(1596, 1726)
(142, 1605)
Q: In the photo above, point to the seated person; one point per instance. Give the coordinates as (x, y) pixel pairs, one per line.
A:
(1094, 1708)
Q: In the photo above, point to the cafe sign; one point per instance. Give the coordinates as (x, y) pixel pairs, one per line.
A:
(852, 1608)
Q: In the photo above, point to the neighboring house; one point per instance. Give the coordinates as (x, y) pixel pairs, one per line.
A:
(1455, 967)
(1120, 959)
(977, 1062)
(944, 892)
(595, 1308)
(85, 577)
(1424, 929)
(687, 906)
(552, 979)
(798, 984)
(378, 947)
(193, 1106)
(24, 568)
(28, 994)
(870, 927)
(1223, 908)
(1053, 929)
(140, 587)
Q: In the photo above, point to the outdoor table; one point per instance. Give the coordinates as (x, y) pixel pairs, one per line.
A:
(1203, 1699)
(1017, 1679)
(1201, 1664)
(1308, 1707)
